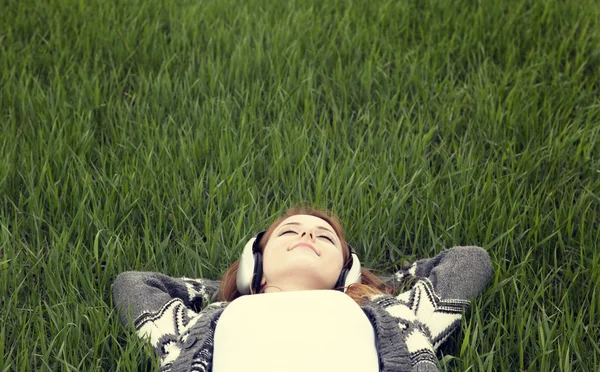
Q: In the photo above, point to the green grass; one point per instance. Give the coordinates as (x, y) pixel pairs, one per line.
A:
(160, 135)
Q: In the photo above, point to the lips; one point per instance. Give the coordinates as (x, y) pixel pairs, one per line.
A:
(306, 245)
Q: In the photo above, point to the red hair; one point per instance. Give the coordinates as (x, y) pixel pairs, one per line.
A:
(370, 283)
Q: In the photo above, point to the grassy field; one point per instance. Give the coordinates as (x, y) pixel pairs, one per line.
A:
(161, 135)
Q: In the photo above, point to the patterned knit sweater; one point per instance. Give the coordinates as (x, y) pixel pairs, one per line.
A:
(178, 318)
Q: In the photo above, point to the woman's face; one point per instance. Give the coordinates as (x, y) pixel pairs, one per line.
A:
(302, 253)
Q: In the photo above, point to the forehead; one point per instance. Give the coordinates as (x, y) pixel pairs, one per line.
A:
(307, 220)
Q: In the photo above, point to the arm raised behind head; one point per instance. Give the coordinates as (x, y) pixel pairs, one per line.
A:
(455, 273)
(432, 309)
(141, 292)
(167, 311)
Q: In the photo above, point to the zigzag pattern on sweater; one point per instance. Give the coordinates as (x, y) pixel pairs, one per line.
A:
(438, 317)
(425, 319)
(174, 309)
(169, 330)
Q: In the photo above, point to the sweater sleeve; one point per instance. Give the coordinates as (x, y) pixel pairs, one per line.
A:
(446, 285)
(166, 311)
(147, 291)
(431, 310)
(456, 273)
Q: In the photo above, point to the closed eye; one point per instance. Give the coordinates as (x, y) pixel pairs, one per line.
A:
(326, 237)
(320, 236)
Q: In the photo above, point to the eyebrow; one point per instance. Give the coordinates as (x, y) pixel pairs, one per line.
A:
(318, 227)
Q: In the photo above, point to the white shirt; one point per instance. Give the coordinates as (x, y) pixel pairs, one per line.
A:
(313, 330)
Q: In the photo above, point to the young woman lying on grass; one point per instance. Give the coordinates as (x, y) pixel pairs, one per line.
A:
(298, 300)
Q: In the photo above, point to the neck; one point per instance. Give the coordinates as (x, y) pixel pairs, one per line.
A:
(290, 285)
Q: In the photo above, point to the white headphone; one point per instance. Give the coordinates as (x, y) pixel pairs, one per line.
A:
(250, 270)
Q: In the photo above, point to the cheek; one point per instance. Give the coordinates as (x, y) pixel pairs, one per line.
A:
(333, 261)
(331, 269)
(275, 248)
(271, 256)
(340, 261)
(336, 257)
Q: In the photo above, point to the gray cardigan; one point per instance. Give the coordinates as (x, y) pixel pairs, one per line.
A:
(177, 316)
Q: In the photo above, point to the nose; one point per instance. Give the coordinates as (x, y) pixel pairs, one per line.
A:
(310, 234)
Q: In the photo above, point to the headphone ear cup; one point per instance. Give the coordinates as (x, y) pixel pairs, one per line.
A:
(341, 280)
(258, 272)
(353, 275)
(350, 275)
(249, 272)
(246, 268)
